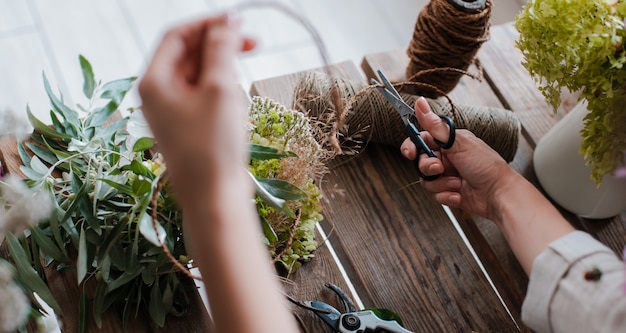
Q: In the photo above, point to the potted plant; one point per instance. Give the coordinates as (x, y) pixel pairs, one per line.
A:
(579, 45)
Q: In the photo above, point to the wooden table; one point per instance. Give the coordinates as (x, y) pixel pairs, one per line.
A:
(396, 246)
(399, 248)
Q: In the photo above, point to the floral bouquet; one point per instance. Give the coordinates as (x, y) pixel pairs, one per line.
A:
(111, 218)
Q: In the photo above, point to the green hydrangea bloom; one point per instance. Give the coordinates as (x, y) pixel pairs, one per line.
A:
(579, 45)
(273, 125)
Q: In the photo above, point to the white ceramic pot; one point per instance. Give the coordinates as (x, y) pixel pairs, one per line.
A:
(562, 172)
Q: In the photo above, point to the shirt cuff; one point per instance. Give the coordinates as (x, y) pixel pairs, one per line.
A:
(548, 269)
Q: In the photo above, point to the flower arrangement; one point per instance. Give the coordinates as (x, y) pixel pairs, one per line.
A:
(112, 218)
(580, 45)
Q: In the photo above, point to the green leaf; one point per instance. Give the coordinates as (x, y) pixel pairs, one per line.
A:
(42, 128)
(268, 231)
(81, 261)
(124, 279)
(38, 166)
(282, 189)
(146, 228)
(98, 303)
(142, 144)
(141, 186)
(82, 313)
(260, 152)
(70, 116)
(24, 156)
(89, 83)
(122, 188)
(42, 153)
(30, 173)
(116, 90)
(48, 246)
(26, 276)
(157, 313)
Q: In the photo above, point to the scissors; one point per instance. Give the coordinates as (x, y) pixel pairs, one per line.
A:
(407, 113)
(352, 321)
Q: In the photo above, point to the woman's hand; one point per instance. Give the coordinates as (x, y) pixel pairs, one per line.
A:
(194, 106)
(472, 172)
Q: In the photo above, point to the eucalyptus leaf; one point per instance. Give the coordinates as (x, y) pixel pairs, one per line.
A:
(89, 82)
(98, 306)
(81, 261)
(43, 128)
(116, 90)
(38, 166)
(24, 156)
(30, 173)
(82, 313)
(48, 246)
(70, 116)
(146, 227)
(26, 276)
(157, 313)
(42, 153)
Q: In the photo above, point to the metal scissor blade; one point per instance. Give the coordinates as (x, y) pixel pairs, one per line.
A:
(396, 101)
(331, 318)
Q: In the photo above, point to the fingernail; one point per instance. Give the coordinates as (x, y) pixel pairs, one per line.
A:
(433, 168)
(232, 18)
(423, 105)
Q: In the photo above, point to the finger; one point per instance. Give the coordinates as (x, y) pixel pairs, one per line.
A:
(408, 149)
(430, 121)
(430, 166)
(443, 184)
(248, 44)
(451, 199)
(221, 45)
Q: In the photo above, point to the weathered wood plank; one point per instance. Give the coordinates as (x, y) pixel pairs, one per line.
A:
(502, 64)
(490, 246)
(309, 281)
(384, 230)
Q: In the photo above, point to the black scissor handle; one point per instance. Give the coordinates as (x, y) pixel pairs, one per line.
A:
(417, 139)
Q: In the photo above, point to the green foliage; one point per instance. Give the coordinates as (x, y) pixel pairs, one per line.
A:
(579, 45)
(101, 225)
(104, 181)
(285, 160)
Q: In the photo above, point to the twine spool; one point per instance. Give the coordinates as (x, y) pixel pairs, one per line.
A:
(368, 116)
(447, 36)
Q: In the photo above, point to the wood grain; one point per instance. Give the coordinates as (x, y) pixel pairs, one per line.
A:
(397, 244)
(489, 244)
(502, 63)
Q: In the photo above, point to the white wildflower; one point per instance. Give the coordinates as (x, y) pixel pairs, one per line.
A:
(14, 124)
(14, 307)
(22, 207)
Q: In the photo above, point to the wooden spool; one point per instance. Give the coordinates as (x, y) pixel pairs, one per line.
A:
(469, 6)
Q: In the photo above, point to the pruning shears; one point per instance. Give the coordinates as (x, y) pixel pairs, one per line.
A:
(352, 320)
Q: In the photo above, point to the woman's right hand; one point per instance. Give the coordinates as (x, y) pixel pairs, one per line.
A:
(472, 172)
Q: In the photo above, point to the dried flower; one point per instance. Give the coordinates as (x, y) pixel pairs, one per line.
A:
(21, 207)
(14, 124)
(14, 307)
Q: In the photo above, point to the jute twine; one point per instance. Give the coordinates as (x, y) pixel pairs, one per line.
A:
(444, 44)
(368, 117)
